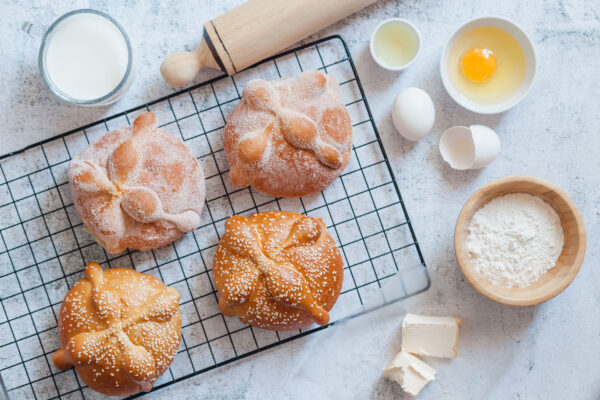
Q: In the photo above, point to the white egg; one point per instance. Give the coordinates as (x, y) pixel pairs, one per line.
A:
(413, 113)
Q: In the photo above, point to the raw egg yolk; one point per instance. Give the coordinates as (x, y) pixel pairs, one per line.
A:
(478, 64)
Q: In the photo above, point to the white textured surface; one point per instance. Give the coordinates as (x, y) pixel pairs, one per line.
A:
(544, 352)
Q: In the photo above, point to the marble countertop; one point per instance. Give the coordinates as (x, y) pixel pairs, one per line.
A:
(548, 351)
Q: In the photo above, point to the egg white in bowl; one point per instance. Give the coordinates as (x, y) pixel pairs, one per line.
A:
(488, 87)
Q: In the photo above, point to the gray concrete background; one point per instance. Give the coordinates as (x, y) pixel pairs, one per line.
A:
(544, 352)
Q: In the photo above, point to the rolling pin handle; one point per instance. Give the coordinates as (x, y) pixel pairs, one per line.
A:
(179, 69)
(252, 31)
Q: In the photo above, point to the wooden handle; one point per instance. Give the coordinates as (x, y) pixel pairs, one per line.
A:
(179, 69)
(253, 31)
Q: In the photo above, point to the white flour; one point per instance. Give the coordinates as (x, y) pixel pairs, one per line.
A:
(514, 239)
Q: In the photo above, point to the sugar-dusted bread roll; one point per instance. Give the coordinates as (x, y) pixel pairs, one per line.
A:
(277, 270)
(138, 187)
(119, 328)
(289, 137)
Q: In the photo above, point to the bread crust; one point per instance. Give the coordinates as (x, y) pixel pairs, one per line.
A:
(289, 137)
(138, 187)
(277, 270)
(119, 328)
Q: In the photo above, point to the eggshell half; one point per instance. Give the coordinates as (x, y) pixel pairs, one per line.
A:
(487, 145)
(457, 147)
(469, 148)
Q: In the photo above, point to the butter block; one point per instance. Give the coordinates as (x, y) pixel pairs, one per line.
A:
(410, 372)
(430, 336)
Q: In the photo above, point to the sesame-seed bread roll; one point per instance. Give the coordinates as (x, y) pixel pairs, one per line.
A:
(119, 328)
(138, 187)
(289, 137)
(277, 270)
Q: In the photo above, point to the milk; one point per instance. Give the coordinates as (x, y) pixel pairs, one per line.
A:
(86, 56)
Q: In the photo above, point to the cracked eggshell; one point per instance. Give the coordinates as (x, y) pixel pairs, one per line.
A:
(469, 148)
(487, 145)
(413, 113)
(457, 147)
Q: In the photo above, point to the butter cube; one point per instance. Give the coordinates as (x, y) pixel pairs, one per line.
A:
(430, 336)
(410, 372)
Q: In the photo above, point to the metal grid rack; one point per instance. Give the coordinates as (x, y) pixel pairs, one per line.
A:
(44, 248)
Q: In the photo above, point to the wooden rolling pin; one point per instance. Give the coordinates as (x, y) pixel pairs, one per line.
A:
(253, 31)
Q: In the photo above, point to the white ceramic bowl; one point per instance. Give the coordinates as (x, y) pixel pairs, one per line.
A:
(527, 46)
(404, 23)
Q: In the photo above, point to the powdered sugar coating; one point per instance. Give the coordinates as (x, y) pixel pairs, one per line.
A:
(277, 270)
(119, 328)
(138, 187)
(289, 137)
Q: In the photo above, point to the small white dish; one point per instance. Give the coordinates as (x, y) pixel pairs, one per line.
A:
(404, 23)
(526, 44)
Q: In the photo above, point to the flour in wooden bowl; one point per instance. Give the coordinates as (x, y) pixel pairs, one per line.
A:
(514, 239)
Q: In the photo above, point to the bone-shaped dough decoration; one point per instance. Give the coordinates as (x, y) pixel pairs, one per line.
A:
(92, 347)
(285, 282)
(115, 182)
(298, 130)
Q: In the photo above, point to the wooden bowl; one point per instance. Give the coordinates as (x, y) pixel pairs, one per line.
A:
(569, 262)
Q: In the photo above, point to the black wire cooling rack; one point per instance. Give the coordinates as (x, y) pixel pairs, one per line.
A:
(44, 248)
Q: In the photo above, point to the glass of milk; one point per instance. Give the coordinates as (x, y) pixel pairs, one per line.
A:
(85, 57)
